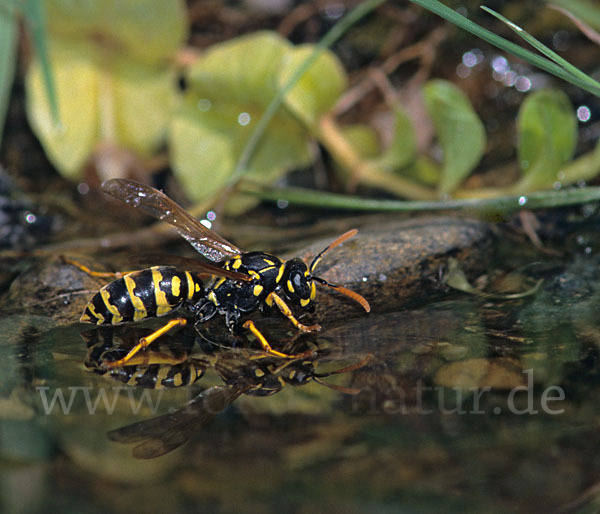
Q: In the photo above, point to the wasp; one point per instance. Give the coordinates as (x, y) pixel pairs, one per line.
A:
(232, 285)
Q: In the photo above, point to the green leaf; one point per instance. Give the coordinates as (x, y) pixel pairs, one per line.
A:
(318, 89)
(423, 170)
(8, 49)
(459, 131)
(69, 144)
(146, 30)
(586, 167)
(143, 104)
(205, 142)
(332, 35)
(111, 89)
(547, 129)
(583, 9)
(243, 69)
(363, 138)
(399, 155)
(402, 151)
(230, 87)
(202, 149)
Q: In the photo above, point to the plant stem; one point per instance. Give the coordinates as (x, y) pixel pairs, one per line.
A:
(364, 172)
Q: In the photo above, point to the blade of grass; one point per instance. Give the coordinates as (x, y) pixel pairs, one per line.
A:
(543, 63)
(506, 204)
(331, 37)
(540, 46)
(33, 10)
(8, 55)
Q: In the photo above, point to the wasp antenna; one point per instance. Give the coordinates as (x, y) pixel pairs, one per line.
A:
(337, 242)
(346, 369)
(347, 292)
(340, 389)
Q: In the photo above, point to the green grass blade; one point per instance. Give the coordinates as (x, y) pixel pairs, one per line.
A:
(532, 58)
(542, 48)
(8, 56)
(33, 10)
(506, 204)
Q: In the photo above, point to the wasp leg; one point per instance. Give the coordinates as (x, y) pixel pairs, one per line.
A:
(267, 347)
(144, 342)
(287, 312)
(91, 273)
(149, 358)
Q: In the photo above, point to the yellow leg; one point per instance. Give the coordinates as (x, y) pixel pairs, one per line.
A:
(151, 357)
(91, 273)
(144, 342)
(267, 347)
(287, 312)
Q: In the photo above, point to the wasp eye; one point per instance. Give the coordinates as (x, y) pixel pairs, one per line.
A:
(301, 287)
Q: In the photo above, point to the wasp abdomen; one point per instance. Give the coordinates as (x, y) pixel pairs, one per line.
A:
(156, 376)
(143, 294)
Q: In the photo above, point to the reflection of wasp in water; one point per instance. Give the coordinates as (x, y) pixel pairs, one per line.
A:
(238, 283)
(171, 363)
(240, 371)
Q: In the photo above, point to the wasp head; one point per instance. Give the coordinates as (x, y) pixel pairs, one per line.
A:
(298, 282)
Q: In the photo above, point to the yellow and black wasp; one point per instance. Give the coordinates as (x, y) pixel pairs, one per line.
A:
(235, 284)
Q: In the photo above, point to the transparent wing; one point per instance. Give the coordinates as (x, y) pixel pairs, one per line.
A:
(163, 434)
(157, 204)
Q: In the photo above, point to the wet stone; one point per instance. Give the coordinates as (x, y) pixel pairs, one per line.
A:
(51, 288)
(393, 266)
(399, 264)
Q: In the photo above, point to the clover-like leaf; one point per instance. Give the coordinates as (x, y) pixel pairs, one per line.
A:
(363, 138)
(459, 131)
(68, 145)
(229, 89)
(241, 70)
(547, 138)
(202, 150)
(205, 144)
(318, 89)
(143, 104)
(402, 150)
(113, 82)
(424, 170)
(145, 30)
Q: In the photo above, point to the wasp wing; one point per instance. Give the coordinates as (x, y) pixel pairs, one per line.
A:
(157, 204)
(163, 434)
(200, 268)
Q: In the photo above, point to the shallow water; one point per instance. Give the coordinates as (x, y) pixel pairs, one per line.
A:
(464, 404)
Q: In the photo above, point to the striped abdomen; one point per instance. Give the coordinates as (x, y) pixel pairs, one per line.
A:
(157, 376)
(143, 294)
